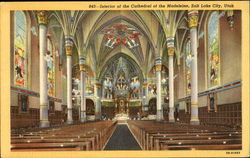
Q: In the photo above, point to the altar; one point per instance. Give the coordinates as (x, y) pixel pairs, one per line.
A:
(121, 117)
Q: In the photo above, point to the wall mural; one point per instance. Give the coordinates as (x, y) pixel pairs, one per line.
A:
(117, 34)
(188, 61)
(213, 50)
(20, 49)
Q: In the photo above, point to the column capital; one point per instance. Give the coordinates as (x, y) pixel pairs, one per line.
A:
(170, 45)
(42, 17)
(193, 18)
(171, 51)
(158, 60)
(170, 41)
(158, 68)
(158, 64)
(82, 67)
(82, 64)
(68, 45)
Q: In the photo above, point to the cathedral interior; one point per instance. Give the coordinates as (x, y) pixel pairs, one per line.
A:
(126, 80)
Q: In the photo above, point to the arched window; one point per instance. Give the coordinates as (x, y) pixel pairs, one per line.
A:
(213, 52)
(51, 68)
(20, 56)
(188, 60)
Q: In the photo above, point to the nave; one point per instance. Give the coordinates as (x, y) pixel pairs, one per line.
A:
(125, 80)
(112, 135)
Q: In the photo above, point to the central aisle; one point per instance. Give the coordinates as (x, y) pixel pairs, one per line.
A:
(122, 139)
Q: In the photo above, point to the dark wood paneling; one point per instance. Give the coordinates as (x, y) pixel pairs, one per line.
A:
(31, 118)
(227, 114)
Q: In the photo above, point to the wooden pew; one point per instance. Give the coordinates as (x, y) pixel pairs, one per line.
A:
(205, 147)
(86, 136)
(157, 135)
(165, 144)
(48, 146)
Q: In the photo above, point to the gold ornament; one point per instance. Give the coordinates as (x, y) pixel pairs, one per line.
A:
(82, 67)
(171, 51)
(193, 19)
(68, 50)
(158, 68)
(42, 17)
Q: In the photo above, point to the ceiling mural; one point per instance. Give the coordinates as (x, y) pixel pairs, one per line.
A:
(121, 34)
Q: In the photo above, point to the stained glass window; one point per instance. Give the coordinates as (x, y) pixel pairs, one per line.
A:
(213, 50)
(20, 73)
(51, 68)
(188, 60)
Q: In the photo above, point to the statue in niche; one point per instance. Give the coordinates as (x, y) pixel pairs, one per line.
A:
(107, 88)
(134, 87)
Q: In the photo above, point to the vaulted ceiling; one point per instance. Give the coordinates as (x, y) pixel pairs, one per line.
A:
(104, 36)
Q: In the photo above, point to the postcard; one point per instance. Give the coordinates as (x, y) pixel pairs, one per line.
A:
(124, 79)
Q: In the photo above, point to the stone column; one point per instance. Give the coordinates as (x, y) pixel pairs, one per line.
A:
(68, 48)
(170, 44)
(98, 101)
(193, 23)
(43, 21)
(158, 67)
(82, 91)
(145, 95)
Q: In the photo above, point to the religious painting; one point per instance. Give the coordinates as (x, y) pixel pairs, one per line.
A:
(213, 50)
(20, 49)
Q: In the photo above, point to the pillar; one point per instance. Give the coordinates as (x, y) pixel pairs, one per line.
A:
(193, 23)
(98, 101)
(158, 67)
(82, 91)
(170, 44)
(145, 94)
(68, 48)
(43, 21)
